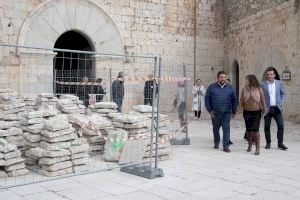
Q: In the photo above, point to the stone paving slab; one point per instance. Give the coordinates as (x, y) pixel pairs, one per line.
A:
(195, 172)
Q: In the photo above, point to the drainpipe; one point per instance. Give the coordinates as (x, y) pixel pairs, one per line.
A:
(195, 37)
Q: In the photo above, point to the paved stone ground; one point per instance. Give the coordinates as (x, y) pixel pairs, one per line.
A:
(194, 172)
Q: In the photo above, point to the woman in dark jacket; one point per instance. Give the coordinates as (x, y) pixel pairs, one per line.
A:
(99, 90)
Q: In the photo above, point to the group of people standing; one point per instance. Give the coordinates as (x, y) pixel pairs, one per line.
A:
(256, 100)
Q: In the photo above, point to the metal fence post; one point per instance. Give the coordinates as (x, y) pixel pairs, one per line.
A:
(147, 171)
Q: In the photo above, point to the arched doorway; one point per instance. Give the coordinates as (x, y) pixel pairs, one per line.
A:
(72, 66)
(236, 77)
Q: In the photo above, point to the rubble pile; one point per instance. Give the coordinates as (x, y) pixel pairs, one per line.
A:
(11, 163)
(70, 104)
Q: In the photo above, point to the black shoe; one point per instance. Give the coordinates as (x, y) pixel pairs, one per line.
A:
(216, 146)
(230, 143)
(226, 149)
(282, 147)
(268, 146)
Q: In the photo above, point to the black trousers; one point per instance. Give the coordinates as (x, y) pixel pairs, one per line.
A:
(275, 113)
(198, 113)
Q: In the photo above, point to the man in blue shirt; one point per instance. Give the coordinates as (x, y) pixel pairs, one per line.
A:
(221, 103)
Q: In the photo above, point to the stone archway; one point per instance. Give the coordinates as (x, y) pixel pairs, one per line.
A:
(53, 18)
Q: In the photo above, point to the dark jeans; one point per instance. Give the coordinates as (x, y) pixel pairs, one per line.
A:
(119, 102)
(276, 113)
(148, 101)
(221, 120)
(198, 113)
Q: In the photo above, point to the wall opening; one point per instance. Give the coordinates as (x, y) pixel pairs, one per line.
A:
(236, 77)
(72, 67)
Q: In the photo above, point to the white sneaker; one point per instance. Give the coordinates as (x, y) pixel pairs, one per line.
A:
(195, 118)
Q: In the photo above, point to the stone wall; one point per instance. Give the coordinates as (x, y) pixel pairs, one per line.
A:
(262, 33)
(148, 27)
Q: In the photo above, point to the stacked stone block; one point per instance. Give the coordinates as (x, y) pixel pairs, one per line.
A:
(11, 163)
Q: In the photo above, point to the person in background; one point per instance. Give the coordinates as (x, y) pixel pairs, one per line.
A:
(198, 98)
(118, 90)
(221, 103)
(148, 90)
(99, 90)
(179, 102)
(84, 89)
(252, 103)
(275, 95)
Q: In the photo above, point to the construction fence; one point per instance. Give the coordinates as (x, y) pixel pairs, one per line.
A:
(66, 112)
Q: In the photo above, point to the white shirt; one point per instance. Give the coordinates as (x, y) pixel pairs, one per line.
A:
(272, 93)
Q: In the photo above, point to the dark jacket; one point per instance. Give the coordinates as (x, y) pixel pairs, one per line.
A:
(117, 90)
(148, 89)
(98, 89)
(221, 100)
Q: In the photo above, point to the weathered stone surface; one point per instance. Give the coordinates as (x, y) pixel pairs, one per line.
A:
(105, 105)
(18, 172)
(2, 162)
(33, 121)
(51, 161)
(142, 124)
(12, 154)
(79, 155)
(1, 155)
(52, 154)
(8, 148)
(57, 166)
(79, 141)
(32, 137)
(79, 168)
(9, 124)
(144, 108)
(3, 174)
(63, 138)
(55, 146)
(80, 161)
(35, 128)
(35, 152)
(79, 149)
(12, 105)
(16, 166)
(56, 124)
(14, 161)
(56, 173)
(129, 118)
(53, 134)
(30, 145)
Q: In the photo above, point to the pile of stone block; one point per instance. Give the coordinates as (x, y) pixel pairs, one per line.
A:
(60, 151)
(45, 99)
(11, 163)
(70, 104)
(12, 108)
(94, 128)
(136, 125)
(103, 108)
